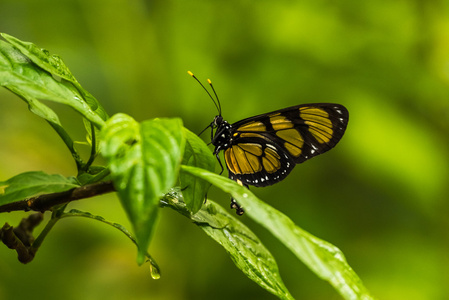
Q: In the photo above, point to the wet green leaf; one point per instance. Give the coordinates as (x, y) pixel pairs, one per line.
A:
(323, 258)
(53, 64)
(25, 77)
(144, 160)
(244, 247)
(34, 105)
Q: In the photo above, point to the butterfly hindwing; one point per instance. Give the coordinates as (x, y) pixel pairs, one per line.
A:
(257, 161)
(264, 149)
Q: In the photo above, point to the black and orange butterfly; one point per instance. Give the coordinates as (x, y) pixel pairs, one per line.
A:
(263, 149)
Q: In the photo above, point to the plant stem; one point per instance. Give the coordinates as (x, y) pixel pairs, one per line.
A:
(93, 151)
(154, 268)
(69, 143)
(37, 243)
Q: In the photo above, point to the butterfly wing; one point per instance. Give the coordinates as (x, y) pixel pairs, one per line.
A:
(265, 148)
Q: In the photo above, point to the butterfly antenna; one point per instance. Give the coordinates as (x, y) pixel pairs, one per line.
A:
(216, 96)
(215, 103)
(208, 126)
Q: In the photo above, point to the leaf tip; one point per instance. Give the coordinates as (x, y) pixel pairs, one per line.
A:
(141, 257)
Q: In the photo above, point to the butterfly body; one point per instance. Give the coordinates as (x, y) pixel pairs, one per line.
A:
(223, 135)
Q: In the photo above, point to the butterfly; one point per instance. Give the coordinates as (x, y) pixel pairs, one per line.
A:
(262, 150)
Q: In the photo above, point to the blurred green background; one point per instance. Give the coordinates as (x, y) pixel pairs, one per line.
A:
(381, 195)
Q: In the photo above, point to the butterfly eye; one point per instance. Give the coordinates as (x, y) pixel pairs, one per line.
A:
(218, 120)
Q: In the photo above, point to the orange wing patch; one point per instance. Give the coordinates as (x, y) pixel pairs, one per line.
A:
(253, 126)
(293, 141)
(280, 122)
(255, 149)
(271, 160)
(320, 126)
(244, 158)
(231, 161)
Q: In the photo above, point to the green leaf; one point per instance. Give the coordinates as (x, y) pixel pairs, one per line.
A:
(243, 246)
(23, 76)
(323, 258)
(34, 105)
(196, 154)
(31, 184)
(53, 64)
(144, 160)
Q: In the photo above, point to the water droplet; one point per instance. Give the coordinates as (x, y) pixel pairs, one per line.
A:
(154, 271)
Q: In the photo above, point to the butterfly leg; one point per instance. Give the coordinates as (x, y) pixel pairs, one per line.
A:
(211, 131)
(238, 209)
(234, 205)
(219, 161)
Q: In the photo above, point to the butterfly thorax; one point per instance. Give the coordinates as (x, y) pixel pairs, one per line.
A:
(223, 134)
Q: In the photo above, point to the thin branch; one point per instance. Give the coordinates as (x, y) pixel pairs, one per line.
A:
(21, 238)
(47, 201)
(69, 143)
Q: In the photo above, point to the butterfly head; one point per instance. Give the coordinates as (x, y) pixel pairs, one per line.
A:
(218, 120)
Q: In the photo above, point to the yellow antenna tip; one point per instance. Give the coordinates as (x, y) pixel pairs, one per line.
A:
(190, 73)
(208, 80)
